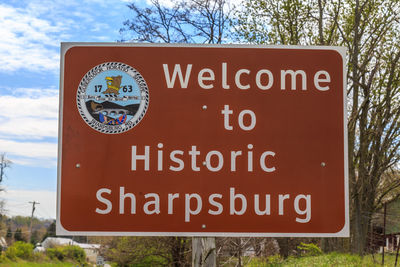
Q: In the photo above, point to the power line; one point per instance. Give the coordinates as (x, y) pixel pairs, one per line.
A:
(33, 210)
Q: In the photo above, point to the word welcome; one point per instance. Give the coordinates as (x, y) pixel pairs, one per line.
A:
(264, 78)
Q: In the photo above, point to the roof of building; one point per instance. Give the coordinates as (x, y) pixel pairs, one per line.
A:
(3, 242)
(62, 241)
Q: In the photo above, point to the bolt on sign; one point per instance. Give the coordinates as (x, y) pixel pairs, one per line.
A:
(202, 140)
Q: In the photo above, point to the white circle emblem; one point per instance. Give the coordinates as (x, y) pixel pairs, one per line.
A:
(112, 97)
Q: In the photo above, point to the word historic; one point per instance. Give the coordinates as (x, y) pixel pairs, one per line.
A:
(213, 160)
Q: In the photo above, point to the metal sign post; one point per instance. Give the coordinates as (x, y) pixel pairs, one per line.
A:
(203, 252)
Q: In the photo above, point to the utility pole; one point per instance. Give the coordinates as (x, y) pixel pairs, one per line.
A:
(33, 210)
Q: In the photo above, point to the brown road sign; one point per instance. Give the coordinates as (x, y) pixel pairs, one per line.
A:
(202, 140)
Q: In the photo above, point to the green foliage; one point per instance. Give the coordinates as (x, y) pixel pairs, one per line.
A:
(51, 230)
(21, 254)
(20, 250)
(393, 217)
(331, 259)
(9, 233)
(309, 249)
(150, 261)
(271, 261)
(36, 264)
(275, 259)
(141, 251)
(18, 226)
(35, 237)
(11, 253)
(18, 235)
(40, 257)
(148, 251)
(73, 253)
(3, 258)
(334, 259)
(369, 31)
(55, 253)
(20, 221)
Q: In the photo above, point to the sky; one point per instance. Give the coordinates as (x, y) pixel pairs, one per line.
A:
(31, 33)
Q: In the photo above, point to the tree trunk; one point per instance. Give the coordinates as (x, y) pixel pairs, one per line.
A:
(360, 225)
(178, 245)
(240, 252)
(283, 243)
(357, 232)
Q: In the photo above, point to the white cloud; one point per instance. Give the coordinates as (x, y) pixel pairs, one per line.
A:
(165, 3)
(42, 150)
(31, 34)
(29, 114)
(17, 203)
(27, 41)
(27, 128)
(34, 162)
(42, 106)
(171, 3)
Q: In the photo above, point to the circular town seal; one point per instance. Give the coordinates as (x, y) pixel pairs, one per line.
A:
(112, 97)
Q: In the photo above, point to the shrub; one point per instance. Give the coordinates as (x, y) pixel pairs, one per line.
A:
(275, 259)
(3, 258)
(40, 257)
(74, 253)
(11, 253)
(20, 250)
(55, 253)
(309, 249)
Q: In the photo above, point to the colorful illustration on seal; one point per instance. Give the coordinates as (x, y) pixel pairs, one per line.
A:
(112, 97)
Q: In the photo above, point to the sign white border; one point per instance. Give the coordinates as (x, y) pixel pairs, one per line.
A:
(344, 232)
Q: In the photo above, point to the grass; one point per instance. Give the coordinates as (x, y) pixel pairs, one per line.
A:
(37, 264)
(326, 260)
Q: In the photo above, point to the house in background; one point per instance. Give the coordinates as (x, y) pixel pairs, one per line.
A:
(51, 242)
(385, 232)
(91, 250)
(3, 243)
(392, 241)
